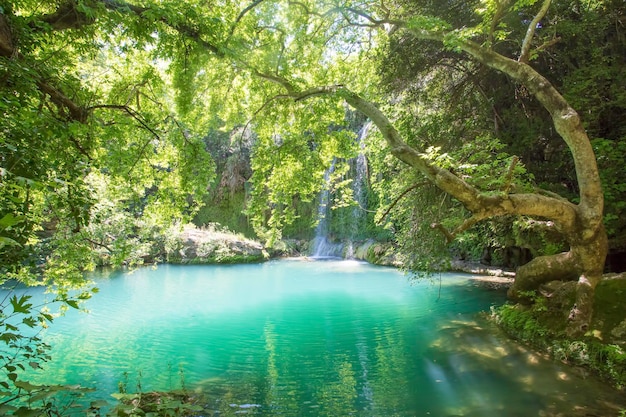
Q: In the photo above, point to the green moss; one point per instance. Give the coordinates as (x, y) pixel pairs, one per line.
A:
(610, 296)
(232, 258)
(228, 212)
(542, 327)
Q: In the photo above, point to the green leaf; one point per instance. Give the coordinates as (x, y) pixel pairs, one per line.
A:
(10, 220)
(10, 327)
(8, 337)
(6, 241)
(26, 386)
(49, 317)
(29, 321)
(21, 305)
(27, 412)
(5, 409)
(429, 23)
(98, 404)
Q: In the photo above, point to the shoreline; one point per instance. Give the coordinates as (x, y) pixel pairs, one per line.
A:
(489, 276)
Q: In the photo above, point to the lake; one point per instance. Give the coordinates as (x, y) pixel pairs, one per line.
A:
(311, 338)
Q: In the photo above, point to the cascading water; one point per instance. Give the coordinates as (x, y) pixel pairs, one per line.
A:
(322, 247)
(359, 188)
(322, 244)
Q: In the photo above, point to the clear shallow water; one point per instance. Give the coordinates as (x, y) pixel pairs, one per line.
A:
(324, 338)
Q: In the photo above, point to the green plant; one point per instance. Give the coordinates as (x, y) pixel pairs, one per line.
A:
(22, 350)
(172, 403)
(530, 325)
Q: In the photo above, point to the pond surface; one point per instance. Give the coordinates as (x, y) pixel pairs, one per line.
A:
(322, 338)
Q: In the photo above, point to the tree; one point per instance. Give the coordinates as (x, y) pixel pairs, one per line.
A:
(88, 127)
(579, 223)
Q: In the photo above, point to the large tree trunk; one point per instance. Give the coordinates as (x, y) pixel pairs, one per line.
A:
(584, 262)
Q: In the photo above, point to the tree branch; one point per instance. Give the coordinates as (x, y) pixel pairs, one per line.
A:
(398, 198)
(449, 236)
(76, 112)
(80, 148)
(143, 124)
(291, 90)
(467, 223)
(502, 6)
(241, 16)
(566, 121)
(67, 16)
(481, 205)
(132, 113)
(102, 245)
(530, 33)
(547, 44)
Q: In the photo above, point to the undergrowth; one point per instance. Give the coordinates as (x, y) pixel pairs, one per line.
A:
(536, 326)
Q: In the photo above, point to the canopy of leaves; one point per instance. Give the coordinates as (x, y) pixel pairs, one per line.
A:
(107, 104)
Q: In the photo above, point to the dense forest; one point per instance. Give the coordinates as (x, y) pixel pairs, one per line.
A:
(488, 130)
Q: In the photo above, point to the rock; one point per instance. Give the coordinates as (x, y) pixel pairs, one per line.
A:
(459, 265)
(619, 331)
(210, 246)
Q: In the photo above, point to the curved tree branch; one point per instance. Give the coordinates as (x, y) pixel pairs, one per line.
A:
(398, 198)
(483, 206)
(68, 16)
(566, 120)
(74, 111)
(241, 15)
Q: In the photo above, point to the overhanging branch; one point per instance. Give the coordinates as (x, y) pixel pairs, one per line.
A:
(481, 205)
(63, 102)
(398, 198)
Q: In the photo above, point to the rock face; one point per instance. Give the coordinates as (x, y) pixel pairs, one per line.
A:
(210, 246)
(377, 253)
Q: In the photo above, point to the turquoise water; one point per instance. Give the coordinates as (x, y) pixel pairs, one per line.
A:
(301, 338)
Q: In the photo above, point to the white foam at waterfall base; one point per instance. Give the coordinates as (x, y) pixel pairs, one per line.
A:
(323, 248)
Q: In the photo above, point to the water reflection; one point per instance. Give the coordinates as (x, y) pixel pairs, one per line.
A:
(312, 339)
(465, 371)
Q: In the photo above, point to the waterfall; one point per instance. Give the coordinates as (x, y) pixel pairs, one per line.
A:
(357, 219)
(322, 247)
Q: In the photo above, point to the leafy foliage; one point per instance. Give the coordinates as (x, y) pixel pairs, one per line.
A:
(22, 351)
